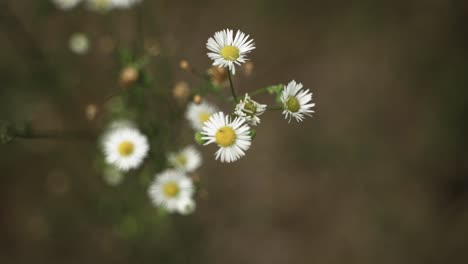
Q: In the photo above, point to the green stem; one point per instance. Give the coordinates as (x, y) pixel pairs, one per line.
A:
(259, 91)
(232, 87)
(275, 108)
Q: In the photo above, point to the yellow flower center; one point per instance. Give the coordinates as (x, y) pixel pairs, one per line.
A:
(204, 116)
(126, 148)
(225, 136)
(293, 104)
(249, 106)
(181, 160)
(230, 53)
(171, 189)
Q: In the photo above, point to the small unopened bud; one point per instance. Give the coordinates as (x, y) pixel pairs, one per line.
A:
(248, 68)
(91, 111)
(199, 138)
(197, 99)
(253, 133)
(7, 132)
(181, 91)
(184, 65)
(128, 76)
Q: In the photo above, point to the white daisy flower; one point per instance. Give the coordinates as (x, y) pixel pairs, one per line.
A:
(228, 50)
(250, 110)
(187, 160)
(124, 3)
(79, 43)
(296, 101)
(198, 114)
(232, 137)
(187, 207)
(125, 148)
(172, 190)
(100, 5)
(66, 4)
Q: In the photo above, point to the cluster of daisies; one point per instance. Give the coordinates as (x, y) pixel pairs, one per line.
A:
(96, 5)
(233, 133)
(125, 148)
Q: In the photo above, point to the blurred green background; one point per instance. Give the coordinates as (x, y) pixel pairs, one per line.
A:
(378, 175)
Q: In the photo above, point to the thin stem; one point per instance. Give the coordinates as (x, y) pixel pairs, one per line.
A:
(259, 91)
(232, 87)
(275, 108)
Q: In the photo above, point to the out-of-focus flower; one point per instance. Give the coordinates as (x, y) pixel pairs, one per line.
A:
(181, 91)
(228, 50)
(91, 111)
(172, 190)
(184, 65)
(128, 76)
(197, 114)
(188, 159)
(248, 68)
(197, 99)
(218, 75)
(124, 3)
(125, 148)
(232, 137)
(250, 110)
(66, 4)
(296, 101)
(187, 207)
(79, 43)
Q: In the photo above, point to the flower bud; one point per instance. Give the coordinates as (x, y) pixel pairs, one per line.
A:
(91, 112)
(184, 65)
(181, 91)
(128, 76)
(197, 99)
(199, 138)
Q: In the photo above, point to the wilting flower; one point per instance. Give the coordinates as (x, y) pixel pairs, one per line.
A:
(296, 101)
(250, 110)
(172, 190)
(232, 137)
(125, 147)
(79, 43)
(228, 50)
(197, 114)
(218, 75)
(66, 4)
(187, 160)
